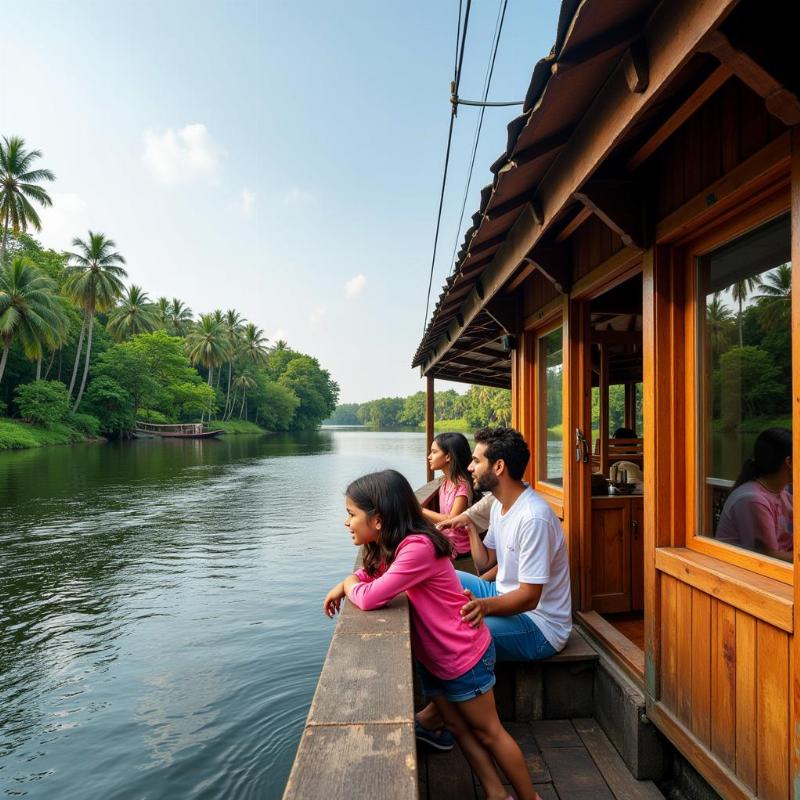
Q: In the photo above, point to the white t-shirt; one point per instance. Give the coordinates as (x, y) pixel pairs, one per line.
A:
(530, 547)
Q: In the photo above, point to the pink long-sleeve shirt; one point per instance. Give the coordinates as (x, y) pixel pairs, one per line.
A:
(445, 644)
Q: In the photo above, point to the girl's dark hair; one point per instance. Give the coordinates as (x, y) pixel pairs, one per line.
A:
(457, 447)
(389, 494)
(771, 449)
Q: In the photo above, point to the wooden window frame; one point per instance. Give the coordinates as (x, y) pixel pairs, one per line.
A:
(734, 227)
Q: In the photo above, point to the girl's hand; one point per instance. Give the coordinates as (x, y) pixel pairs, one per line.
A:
(333, 601)
(472, 612)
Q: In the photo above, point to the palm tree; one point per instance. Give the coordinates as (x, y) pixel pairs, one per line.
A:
(135, 314)
(254, 344)
(777, 297)
(740, 292)
(718, 320)
(281, 344)
(162, 312)
(243, 382)
(207, 344)
(18, 186)
(233, 326)
(180, 317)
(29, 309)
(94, 282)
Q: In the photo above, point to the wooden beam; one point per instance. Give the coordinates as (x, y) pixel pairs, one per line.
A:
(708, 87)
(620, 204)
(672, 36)
(763, 168)
(546, 147)
(500, 210)
(617, 337)
(484, 380)
(780, 101)
(574, 224)
(472, 363)
(489, 244)
(637, 68)
(554, 264)
(504, 310)
(429, 411)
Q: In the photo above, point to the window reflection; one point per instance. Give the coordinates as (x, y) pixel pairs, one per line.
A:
(745, 391)
(551, 441)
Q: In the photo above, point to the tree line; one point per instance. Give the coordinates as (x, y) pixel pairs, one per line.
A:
(479, 406)
(78, 346)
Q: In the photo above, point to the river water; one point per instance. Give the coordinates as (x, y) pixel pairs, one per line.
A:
(161, 631)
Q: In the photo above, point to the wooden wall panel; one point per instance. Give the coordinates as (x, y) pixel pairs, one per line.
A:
(725, 678)
(593, 243)
(730, 127)
(537, 292)
(723, 681)
(772, 684)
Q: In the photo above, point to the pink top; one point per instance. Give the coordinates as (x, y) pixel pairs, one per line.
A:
(758, 519)
(448, 492)
(445, 644)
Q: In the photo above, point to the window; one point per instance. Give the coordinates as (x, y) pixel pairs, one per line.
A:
(744, 392)
(551, 414)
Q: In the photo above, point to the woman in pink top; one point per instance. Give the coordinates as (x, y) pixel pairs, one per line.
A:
(758, 512)
(450, 453)
(402, 552)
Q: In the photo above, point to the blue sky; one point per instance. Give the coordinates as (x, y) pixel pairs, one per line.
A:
(283, 159)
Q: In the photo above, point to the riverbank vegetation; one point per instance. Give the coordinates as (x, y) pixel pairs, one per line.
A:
(83, 354)
(479, 406)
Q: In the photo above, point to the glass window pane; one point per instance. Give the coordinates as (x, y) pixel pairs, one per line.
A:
(551, 440)
(745, 392)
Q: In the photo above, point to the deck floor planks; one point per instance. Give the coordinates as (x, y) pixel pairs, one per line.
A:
(566, 758)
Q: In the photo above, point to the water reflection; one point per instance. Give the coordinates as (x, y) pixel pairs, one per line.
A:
(161, 633)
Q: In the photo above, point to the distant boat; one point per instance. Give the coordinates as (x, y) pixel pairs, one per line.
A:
(189, 430)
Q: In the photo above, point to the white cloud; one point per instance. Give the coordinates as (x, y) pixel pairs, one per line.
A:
(299, 198)
(62, 221)
(175, 156)
(355, 286)
(247, 202)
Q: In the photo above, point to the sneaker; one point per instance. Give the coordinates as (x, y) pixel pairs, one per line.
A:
(441, 740)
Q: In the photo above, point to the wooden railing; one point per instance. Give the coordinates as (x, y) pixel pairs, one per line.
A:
(359, 735)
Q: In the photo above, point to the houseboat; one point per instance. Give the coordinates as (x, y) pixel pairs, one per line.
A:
(628, 276)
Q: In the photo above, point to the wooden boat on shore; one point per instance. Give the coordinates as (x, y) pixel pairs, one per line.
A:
(189, 430)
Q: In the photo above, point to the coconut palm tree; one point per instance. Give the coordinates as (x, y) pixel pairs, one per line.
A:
(206, 344)
(162, 312)
(233, 326)
(93, 282)
(281, 344)
(254, 344)
(243, 382)
(18, 186)
(29, 309)
(718, 321)
(777, 296)
(740, 291)
(135, 314)
(180, 317)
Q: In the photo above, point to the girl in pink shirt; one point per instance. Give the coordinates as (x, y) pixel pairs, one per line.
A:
(451, 454)
(402, 552)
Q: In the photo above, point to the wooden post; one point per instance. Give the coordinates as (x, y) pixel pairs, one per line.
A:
(604, 431)
(630, 407)
(429, 397)
(794, 663)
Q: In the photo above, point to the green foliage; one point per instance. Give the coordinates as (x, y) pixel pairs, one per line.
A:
(43, 402)
(748, 385)
(16, 435)
(274, 404)
(151, 415)
(313, 386)
(381, 413)
(112, 405)
(232, 427)
(85, 423)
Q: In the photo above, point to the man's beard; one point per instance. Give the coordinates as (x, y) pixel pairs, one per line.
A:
(487, 482)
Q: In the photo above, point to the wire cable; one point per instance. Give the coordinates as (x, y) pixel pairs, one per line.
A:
(498, 30)
(459, 63)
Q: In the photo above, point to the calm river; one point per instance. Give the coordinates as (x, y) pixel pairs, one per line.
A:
(161, 631)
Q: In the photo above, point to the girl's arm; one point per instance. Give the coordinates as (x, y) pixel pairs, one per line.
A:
(412, 565)
(459, 506)
(333, 600)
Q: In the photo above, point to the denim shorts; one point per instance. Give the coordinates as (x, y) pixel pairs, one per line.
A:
(476, 681)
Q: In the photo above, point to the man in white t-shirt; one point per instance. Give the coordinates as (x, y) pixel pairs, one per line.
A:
(528, 607)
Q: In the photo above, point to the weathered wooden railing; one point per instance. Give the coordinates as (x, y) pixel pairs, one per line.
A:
(359, 733)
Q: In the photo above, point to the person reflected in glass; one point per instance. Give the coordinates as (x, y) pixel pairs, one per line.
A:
(757, 514)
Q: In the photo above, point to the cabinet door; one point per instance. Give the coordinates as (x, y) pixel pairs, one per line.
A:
(611, 557)
(637, 555)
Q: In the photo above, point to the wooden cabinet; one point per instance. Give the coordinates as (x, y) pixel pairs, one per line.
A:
(617, 554)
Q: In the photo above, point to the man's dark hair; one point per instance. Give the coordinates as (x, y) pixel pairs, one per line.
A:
(506, 444)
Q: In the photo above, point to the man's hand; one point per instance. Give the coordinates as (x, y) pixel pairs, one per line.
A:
(459, 521)
(473, 611)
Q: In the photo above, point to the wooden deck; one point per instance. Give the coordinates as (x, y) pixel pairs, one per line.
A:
(567, 760)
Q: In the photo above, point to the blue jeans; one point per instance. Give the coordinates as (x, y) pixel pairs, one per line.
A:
(516, 638)
(477, 680)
